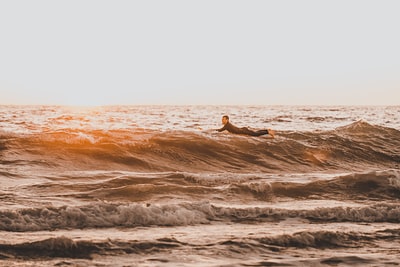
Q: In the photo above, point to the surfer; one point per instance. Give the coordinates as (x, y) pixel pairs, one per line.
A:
(244, 130)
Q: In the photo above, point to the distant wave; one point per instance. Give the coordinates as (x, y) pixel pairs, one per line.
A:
(354, 147)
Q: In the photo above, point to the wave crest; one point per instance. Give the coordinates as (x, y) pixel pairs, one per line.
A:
(354, 147)
(102, 215)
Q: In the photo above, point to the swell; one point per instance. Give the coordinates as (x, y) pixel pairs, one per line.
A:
(64, 247)
(106, 215)
(371, 186)
(355, 147)
(376, 185)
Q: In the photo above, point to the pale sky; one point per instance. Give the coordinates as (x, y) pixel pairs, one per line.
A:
(200, 52)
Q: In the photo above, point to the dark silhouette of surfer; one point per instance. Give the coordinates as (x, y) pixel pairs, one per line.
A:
(244, 130)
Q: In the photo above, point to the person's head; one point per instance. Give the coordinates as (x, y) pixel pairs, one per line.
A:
(225, 119)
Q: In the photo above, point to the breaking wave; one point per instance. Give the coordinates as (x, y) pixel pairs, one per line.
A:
(105, 215)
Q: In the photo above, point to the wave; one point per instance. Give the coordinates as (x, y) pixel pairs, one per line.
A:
(152, 187)
(64, 247)
(376, 185)
(354, 147)
(107, 215)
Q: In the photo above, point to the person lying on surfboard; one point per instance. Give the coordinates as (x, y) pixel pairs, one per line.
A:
(244, 130)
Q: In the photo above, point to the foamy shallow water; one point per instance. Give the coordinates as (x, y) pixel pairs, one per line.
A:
(157, 186)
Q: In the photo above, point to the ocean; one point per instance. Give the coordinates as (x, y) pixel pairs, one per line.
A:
(158, 186)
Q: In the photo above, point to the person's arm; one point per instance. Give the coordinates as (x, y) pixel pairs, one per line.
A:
(222, 129)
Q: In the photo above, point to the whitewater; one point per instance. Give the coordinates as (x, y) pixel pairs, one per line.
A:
(159, 186)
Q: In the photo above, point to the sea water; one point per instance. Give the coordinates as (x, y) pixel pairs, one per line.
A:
(158, 186)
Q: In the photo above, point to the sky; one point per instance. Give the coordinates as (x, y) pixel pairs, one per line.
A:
(96, 52)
